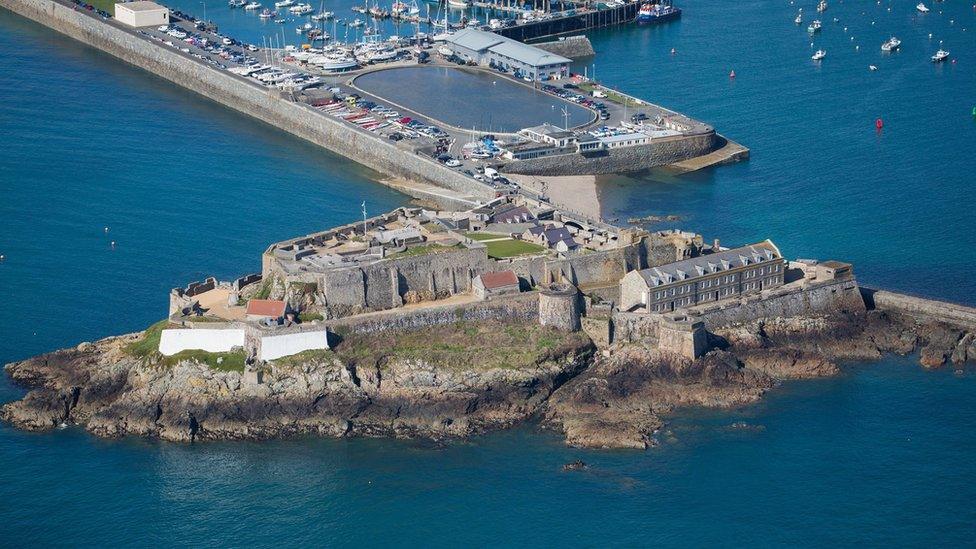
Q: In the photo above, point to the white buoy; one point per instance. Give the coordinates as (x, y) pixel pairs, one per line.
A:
(930, 36)
(106, 229)
(2, 257)
(857, 48)
(113, 243)
(845, 29)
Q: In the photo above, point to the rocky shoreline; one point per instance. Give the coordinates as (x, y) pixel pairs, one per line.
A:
(610, 398)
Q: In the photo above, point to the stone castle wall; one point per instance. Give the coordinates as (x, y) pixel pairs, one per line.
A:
(784, 302)
(244, 96)
(624, 159)
(514, 308)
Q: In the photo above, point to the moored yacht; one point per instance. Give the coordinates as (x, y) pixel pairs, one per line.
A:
(818, 55)
(657, 11)
(921, 7)
(814, 27)
(891, 44)
(252, 6)
(940, 56)
(284, 3)
(822, 6)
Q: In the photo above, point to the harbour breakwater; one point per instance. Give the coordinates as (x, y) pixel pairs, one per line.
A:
(258, 102)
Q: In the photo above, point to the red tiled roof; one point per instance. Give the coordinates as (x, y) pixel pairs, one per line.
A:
(499, 279)
(266, 307)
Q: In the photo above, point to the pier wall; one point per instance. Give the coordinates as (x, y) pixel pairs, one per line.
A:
(624, 159)
(572, 23)
(920, 308)
(245, 96)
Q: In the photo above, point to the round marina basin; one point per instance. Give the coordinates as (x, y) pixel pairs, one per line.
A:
(470, 99)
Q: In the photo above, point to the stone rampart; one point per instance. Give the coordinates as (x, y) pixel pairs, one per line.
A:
(515, 308)
(920, 308)
(659, 152)
(244, 95)
(784, 302)
(572, 47)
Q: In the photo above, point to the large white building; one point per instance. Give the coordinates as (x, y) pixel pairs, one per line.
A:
(141, 14)
(488, 48)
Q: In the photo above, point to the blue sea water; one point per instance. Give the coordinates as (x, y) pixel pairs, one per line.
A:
(879, 456)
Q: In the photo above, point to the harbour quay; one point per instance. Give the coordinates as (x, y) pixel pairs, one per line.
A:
(350, 98)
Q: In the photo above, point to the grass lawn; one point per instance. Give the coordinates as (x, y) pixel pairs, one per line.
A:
(479, 345)
(511, 248)
(423, 250)
(107, 5)
(484, 236)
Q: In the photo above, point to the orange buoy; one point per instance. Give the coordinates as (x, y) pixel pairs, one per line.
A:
(732, 74)
(879, 123)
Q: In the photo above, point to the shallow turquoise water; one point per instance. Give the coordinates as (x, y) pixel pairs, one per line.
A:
(879, 456)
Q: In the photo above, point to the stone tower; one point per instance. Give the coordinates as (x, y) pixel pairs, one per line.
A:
(559, 306)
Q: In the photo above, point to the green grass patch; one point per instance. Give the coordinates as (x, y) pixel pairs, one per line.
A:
(107, 5)
(204, 319)
(423, 250)
(484, 236)
(304, 357)
(264, 291)
(309, 317)
(461, 346)
(148, 344)
(512, 248)
(232, 361)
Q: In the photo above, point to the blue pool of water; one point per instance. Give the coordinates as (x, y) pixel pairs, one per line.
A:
(880, 455)
(471, 99)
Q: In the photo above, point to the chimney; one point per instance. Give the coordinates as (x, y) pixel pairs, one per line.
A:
(715, 246)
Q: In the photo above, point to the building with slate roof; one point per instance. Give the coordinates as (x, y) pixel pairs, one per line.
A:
(712, 277)
(488, 48)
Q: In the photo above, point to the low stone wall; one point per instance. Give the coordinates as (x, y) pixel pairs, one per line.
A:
(659, 152)
(515, 308)
(244, 96)
(923, 309)
(572, 47)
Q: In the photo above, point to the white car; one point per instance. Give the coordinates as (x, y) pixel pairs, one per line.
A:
(164, 28)
(452, 163)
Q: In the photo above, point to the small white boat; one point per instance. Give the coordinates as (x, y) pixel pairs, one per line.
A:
(921, 7)
(323, 16)
(357, 23)
(461, 4)
(872, 68)
(822, 6)
(818, 55)
(798, 20)
(940, 56)
(267, 14)
(284, 3)
(814, 27)
(253, 6)
(891, 44)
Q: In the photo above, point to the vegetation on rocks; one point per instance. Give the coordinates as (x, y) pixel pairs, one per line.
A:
(464, 345)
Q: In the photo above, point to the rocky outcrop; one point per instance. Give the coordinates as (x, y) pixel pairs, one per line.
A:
(110, 393)
(622, 399)
(459, 381)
